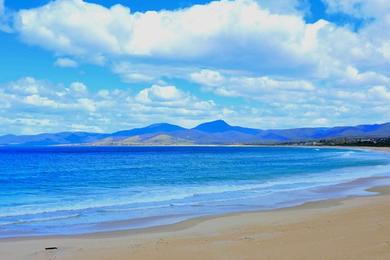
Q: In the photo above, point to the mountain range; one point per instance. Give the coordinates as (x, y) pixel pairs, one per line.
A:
(211, 133)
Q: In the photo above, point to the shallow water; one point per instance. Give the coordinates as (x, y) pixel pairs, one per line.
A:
(73, 190)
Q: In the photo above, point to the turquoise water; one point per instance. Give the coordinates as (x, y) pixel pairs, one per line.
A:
(73, 190)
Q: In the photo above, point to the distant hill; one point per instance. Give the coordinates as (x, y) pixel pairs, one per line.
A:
(220, 126)
(51, 139)
(151, 140)
(152, 129)
(210, 133)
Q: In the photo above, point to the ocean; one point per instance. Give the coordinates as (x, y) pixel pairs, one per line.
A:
(79, 190)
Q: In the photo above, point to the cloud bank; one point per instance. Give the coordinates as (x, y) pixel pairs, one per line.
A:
(221, 33)
(29, 105)
(261, 62)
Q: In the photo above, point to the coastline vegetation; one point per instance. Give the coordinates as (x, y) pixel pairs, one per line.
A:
(345, 141)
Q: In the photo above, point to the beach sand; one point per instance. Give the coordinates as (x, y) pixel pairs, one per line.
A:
(354, 228)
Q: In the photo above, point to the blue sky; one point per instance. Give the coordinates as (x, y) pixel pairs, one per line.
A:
(110, 65)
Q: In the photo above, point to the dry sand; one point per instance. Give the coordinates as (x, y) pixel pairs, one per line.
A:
(355, 228)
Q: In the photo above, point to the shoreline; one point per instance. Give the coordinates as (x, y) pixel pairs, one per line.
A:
(363, 182)
(116, 244)
(190, 229)
(387, 148)
(366, 181)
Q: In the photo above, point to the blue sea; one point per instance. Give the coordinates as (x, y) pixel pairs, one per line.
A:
(78, 190)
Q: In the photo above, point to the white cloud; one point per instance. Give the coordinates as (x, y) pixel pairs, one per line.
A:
(246, 86)
(370, 48)
(221, 32)
(354, 98)
(37, 100)
(58, 108)
(284, 69)
(78, 87)
(87, 104)
(66, 63)
(360, 8)
(207, 77)
(170, 96)
(380, 92)
(352, 77)
(256, 36)
(160, 93)
(30, 105)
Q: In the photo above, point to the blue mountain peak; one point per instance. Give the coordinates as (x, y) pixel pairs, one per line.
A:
(214, 126)
(151, 129)
(164, 126)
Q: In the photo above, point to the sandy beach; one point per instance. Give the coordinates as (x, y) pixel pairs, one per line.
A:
(354, 228)
(349, 228)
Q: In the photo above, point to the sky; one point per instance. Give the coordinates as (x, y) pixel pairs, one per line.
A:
(104, 66)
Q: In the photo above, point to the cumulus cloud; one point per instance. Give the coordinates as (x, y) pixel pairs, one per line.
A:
(360, 8)
(229, 33)
(296, 102)
(246, 86)
(30, 105)
(380, 92)
(352, 77)
(285, 70)
(78, 87)
(29, 102)
(39, 101)
(66, 63)
(161, 94)
(373, 36)
(207, 77)
(170, 96)
(257, 36)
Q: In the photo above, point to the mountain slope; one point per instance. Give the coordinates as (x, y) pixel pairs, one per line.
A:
(377, 130)
(159, 139)
(220, 126)
(51, 139)
(151, 129)
(215, 132)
